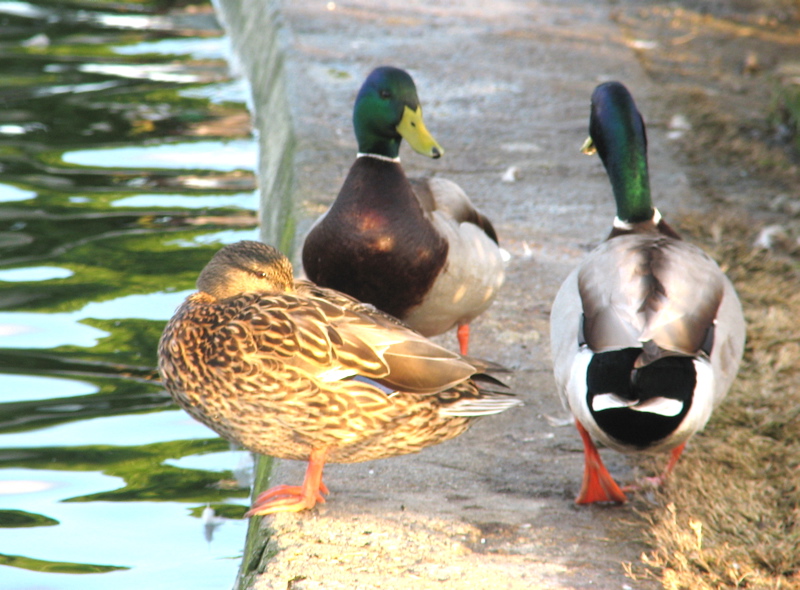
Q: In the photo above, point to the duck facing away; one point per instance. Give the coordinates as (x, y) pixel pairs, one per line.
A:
(416, 249)
(647, 333)
(292, 370)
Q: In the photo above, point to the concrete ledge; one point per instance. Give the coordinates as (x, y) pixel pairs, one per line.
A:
(502, 84)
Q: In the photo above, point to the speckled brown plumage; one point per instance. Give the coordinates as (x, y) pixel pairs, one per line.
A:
(285, 368)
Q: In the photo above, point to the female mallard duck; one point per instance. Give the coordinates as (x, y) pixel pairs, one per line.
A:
(647, 333)
(296, 371)
(416, 249)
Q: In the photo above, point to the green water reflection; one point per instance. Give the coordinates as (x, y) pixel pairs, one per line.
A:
(125, 161)
(54, 567)
(20, 518)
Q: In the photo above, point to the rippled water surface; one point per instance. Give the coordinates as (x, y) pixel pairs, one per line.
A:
(125, 161)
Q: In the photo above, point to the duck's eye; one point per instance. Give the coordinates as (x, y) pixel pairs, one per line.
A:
(262, 275)
(385, 94)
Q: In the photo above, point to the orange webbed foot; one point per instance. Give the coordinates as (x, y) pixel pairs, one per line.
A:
(598, 485)
(463, 338)
(658, 480)
(286, 498)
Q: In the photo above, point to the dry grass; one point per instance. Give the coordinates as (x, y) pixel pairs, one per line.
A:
(731, 518)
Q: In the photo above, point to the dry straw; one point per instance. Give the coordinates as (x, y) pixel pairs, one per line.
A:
(730, 518)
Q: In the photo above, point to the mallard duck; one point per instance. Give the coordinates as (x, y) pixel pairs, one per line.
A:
(296, 371)
(416, 249)
(648, 332)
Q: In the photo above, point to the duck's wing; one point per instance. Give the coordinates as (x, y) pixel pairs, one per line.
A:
(645, 287)
(730, 337)
(445, 196)
(566, 316)
(368, 342)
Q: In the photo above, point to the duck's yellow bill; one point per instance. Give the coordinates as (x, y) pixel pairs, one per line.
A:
(588, 147)
(412, 129)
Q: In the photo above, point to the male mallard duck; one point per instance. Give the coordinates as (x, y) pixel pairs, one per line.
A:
(416, 249)
(296, 371)
(647, 333)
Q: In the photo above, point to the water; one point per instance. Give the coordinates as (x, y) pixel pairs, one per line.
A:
(126, 160)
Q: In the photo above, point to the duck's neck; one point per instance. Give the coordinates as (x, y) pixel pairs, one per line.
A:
(627, 170)
(623, 149)
(626, 226)
(388, 147)
(373, 140)
(380, 157)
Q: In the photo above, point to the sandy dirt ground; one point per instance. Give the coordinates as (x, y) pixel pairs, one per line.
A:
(503, 84)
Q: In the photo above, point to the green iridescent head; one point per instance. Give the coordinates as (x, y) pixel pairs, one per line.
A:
(387, 111)
(617, 133)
